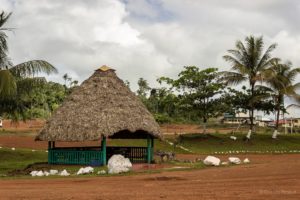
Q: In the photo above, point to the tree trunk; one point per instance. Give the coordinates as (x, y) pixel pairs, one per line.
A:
(251, 112)
(204, 125)
(278, 103)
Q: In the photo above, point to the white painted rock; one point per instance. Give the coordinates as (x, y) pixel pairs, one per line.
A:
(13, 148)
(85, 170)
(118, 164)
(234, 160)
(33, 173)
(246, 160)
(101, 172)
(53, 171)
(46, 173)
(211, 160)
(233, 137)
(40, 173)
(64, 173)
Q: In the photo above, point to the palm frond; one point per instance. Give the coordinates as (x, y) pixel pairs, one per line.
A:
(32, 68)
(3, 18)
(7, 84)
(266, 59)
(292, 74)
(232, 78)
(264, 88)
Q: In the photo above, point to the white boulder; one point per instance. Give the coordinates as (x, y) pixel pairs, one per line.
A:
(46, 173)
(246, 160)
(85, 170)
(234, 160)
(64, 173)
(233, 137)
(118, 164)
(33, 173)
(40, 173)
(13, 148)
(211, 160)
(53, 171)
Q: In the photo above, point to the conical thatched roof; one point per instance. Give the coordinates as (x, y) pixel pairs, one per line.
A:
(102, 106)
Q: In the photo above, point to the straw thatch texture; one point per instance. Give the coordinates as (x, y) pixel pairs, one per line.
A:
(102, 105)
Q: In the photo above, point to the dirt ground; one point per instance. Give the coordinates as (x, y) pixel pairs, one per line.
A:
(267, 177)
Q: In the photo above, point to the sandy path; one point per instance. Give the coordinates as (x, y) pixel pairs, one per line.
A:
(267, 177)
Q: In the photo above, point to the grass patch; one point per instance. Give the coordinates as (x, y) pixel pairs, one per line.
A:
(260, 143)
(19, 159)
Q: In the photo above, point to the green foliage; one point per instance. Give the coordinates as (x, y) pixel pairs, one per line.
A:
(143, 87)
(162, 118)
(199, 91)
(16, 82)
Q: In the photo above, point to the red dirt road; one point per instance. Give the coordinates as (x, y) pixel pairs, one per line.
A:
(267, 177)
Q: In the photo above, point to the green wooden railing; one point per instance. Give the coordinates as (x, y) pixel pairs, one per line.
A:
(135, 154)
(98, 155)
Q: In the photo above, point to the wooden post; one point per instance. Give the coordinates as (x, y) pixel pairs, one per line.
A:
(152, 148)
(103, 146)
(53, 144)
(49, 153)
(148, 149)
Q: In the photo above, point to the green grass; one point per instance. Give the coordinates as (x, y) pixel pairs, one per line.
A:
(19, 159)
(260, 143)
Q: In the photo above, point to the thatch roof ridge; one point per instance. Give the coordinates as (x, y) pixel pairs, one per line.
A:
(101, 106)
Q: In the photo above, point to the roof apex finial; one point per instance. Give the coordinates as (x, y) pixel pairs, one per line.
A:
(105, 68)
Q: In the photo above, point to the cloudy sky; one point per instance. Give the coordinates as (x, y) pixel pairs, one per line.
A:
(146, 38)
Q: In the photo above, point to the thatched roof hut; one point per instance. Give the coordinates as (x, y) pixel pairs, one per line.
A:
(101, 106)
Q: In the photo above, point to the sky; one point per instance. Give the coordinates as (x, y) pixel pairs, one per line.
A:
(146, 38)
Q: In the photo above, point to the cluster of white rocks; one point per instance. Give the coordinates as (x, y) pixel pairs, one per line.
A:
(116, 164)
(214, 161)
(51, 172)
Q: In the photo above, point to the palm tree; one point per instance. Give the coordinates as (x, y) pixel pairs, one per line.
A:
(281, 84)
(249, 63)
(15, 80)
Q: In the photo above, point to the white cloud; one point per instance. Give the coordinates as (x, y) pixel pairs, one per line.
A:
(146, 38)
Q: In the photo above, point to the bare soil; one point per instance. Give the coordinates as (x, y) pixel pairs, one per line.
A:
(267, 177)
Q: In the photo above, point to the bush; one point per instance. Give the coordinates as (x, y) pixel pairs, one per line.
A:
(162, 118)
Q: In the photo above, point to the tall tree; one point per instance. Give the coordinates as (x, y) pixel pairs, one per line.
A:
(15, 80)
(143, 87)
(200, 90)
(281, 83)
(249, 63)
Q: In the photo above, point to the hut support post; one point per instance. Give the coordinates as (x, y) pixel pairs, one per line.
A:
(49, 152)
(149, 149)
(103, 146)
(152, 147)
(49, 145)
